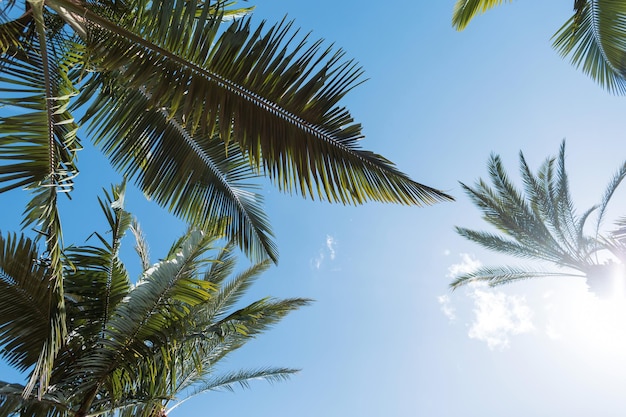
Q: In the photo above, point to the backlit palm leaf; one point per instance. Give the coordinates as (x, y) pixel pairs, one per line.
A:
(494, 276)
(540, 224)
(465, 10)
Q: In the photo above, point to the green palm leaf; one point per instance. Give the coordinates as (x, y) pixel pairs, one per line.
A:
(39, 142)
(465, 10)
(277, 104)
(24, 295)
(13, 403)
(595, 39)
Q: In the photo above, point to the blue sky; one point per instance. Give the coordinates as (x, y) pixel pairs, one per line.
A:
(386, 337)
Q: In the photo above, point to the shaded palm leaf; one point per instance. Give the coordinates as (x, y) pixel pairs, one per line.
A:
(595, 39)
(38, 150)
(24, 297)
(13, 403)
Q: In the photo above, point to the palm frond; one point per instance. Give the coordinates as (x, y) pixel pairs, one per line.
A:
(14, 404)
(595, 39)
(506, 210)
(141, 246)
(141, 321)
(256, 317)
(617, 179)
(240, 378)
(466, 10)
(39, 144)
(195, 177)
(24, 297)
(540, 225)
(232, 291)
(525, 250)
(279, 105)
(223, 266)
(96, 267)
(501, 275)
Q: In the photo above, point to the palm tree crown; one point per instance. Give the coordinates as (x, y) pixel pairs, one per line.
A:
(541, 224)
(187, 108)
(132, 349)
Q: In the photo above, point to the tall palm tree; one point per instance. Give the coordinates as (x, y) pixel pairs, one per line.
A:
(131, 350)
(541, 224)
(594, 37)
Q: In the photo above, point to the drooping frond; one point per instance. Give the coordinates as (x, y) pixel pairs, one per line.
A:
(595, 39)
(197, 178)
(465, 10)
(24, 297)
(501, 275)
(240, 378)
(38, 148)
(278, 102)
(14, 404)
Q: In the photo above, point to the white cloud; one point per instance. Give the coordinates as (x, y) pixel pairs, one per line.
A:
(330, 245)
(467, 264)
(446, 307)
(552, 333)
(327, 251)
(498, 316)
(316, 262)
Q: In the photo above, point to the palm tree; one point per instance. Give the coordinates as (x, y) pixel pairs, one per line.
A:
(131, 350)
(189, 110)
(542, 224)
(594, 37)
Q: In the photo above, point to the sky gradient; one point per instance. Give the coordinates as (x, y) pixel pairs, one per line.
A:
(386, 336)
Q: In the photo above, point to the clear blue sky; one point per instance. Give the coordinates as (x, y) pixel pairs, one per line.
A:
(386, 337)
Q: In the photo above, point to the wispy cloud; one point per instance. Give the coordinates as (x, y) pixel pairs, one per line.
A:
(498, 316)
(316, 263)
(330, 245)
(446, 307)
(328, 250)
(468, 264)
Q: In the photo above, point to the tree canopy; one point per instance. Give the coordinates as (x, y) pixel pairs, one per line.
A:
(132, 348)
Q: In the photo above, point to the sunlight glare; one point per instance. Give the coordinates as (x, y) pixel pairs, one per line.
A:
(587, 324)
